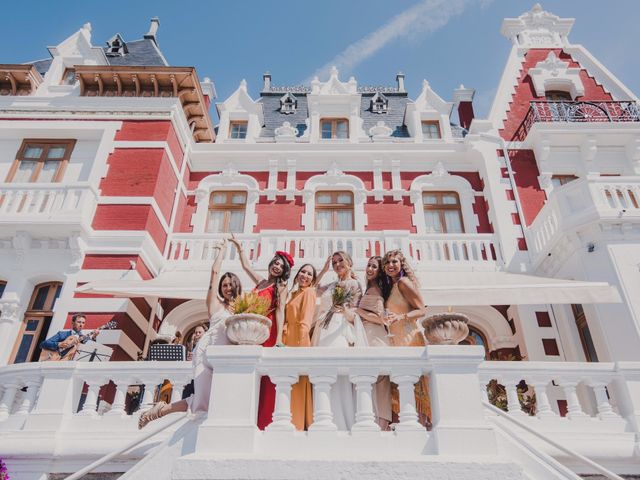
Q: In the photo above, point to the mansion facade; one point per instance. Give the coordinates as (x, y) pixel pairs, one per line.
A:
(117, 182)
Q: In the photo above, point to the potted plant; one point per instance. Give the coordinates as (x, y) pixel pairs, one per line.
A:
(249, 324)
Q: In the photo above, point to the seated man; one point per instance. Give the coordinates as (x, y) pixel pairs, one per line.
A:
(63, 345)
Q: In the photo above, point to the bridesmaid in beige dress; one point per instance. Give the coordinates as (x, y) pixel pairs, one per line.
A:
(371, 311)
(404, 308)
(299, 314)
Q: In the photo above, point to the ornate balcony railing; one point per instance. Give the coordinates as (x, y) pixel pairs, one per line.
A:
(578, 112)
(589, 407)
(315, 247)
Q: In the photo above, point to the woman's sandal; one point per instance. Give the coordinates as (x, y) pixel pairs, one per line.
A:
(150, 415)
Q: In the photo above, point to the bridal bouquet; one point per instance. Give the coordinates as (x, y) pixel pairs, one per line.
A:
(341, 296)
(4, 475)
(251, 302)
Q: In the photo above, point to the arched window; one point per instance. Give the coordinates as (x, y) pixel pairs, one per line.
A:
(476, 337)
(35, 324)
(558, 96)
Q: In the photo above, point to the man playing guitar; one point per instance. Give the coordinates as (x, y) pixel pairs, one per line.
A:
(63, 345)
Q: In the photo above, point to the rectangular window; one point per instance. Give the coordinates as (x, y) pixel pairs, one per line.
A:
(442, 212)
(41, 161)
(588, 346)
(226, 212)
(238, 130)
(431, 129)
(334, 211)
(332, 128)
(559, 180)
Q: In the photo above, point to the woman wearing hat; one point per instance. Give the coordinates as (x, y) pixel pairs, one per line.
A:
(274, 287)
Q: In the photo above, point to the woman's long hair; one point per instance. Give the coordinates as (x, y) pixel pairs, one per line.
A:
(347, 258)
(282, 279)
(405, 271)
(236, 286)
(379, 281)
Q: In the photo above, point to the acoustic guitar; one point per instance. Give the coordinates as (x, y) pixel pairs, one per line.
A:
(67, 348)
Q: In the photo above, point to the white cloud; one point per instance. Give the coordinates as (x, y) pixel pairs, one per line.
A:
(424, 17)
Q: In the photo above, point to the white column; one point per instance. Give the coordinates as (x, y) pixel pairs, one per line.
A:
(322, 414)
(176, 390)
(91, 400)
(282, 413)
(513, 402)
(33, 385)
(602, 401)
(365, 418)
(149, 393)
(543, 406)
(8, 396)
(408, 414)
(117, 408)
(574, 409)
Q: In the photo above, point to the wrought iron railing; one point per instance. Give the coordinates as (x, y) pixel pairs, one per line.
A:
(577, 112)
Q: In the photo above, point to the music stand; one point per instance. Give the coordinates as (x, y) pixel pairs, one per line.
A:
(167, 352)
(93, 351)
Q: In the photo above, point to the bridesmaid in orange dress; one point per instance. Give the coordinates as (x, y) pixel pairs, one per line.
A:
(299, 314)
(405, 307)
(273, 287)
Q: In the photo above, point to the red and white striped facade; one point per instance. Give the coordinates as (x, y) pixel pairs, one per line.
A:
(133, 201)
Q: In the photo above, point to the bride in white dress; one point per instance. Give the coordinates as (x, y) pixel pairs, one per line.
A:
(339, 326)
(219, 301)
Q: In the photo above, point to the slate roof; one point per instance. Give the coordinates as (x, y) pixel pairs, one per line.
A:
(142, 52)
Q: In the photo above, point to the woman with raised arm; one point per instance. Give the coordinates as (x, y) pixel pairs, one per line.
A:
(404, 308)
(338, 325)
(274, 287)
(371, 310)
(218, 302)
(298, 318)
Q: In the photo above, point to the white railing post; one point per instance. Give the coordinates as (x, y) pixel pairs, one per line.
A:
(408, 415)
(149, 393)
(513, 401)
(33, 386)
(605, 411)
(230, 427)
(8, 396)
(91, 400)
(543, 406)
(459, 424)
(176, 390)
(322, 414)
(282, 412)
(365, 418)
(574, 409)
(628, 392)
(117, 407)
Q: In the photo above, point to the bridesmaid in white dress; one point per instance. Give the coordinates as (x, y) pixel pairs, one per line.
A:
(219, 308)
(340, 326)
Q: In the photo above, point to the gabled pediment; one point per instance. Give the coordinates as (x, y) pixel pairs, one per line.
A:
(241, 102)
(78, 46)
(428, 100)
(334, 86)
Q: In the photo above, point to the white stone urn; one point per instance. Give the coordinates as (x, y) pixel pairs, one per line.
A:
(248, 328)
(446, 328)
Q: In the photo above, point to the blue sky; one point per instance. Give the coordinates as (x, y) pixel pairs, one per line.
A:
(447, 42)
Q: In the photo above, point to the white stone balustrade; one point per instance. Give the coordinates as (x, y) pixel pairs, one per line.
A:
(36, 200)
(315, 247)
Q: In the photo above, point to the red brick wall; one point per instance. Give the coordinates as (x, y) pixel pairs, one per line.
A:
(116, 262)
(279, 214)
(525, 174)
(130, 217)
(389, 214)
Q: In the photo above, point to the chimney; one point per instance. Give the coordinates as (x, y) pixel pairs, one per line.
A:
(266, 79)
(153, 30)
(208, 90)
(463, 97)
(400, 82)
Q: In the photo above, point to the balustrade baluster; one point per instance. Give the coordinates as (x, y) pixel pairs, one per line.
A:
(322, 413)
(29, 399)
(513, 402)
(117, 407)
(543, 406)
(176, 390)
(282, 412)
(8, 396)
(149, 394)
(408, 414)
(28, 205)
(90, 406)
(628, 203)
(602, 401)
(365, 418)
(574, 409)
(18, 196)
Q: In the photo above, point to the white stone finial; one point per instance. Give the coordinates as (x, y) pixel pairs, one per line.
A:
(87, 27)
(425, 85)
(537, 8)
(333, 72)
(243, 84)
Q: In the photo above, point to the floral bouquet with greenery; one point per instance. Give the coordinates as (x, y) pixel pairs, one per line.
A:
(341, 296)
(251, 302)
(4, 474)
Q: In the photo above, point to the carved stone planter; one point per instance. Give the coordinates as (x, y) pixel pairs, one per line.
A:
(446, 328)
(248, 328)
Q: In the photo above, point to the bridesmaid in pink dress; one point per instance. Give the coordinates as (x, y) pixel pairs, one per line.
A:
(273, 287)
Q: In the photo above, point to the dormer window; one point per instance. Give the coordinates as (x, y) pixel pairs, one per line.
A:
(238, 129)
(558, 96)
(116, 47)
(334, 128)
(431, 130)
(379, 103)
(288, 104)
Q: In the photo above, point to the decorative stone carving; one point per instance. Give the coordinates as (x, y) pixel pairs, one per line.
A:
(446, 328)
(555, 74)
(248, 329)
(380, 130)
(9, 308)
(286, 133)
(537, 28)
